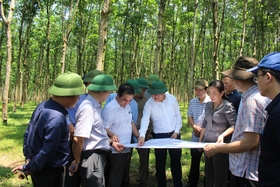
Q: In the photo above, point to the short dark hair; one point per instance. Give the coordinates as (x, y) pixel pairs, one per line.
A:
(220, 87)
(125, 89)
(274, 73)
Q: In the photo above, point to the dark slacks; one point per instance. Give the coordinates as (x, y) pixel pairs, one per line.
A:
(47, 177)
(195, 166)
(216, 170)
(175, 159)
(242, 182)
(118, 164)
(143, 164)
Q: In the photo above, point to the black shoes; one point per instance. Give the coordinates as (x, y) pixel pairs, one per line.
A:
(191, 185)
(142, 185)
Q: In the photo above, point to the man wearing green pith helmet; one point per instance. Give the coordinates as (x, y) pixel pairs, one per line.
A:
(91, 142)
(46, 146)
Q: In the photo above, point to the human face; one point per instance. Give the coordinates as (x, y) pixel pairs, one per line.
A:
(158, 97)
(124, 99)
(141, 94)
(259, 79)
(70, 101)
(215, 95)
(228, 83)
(200, 93)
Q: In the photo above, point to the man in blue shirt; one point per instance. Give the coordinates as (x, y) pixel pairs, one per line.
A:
(268, 80)
(46, 146)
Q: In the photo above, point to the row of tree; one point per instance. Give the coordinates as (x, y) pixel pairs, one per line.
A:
(180, 40)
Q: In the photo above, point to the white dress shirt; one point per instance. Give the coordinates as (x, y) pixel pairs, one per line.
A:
(118, 120)
(165, 115)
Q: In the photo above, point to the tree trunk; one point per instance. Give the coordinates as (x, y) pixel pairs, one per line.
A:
(7, 23)
(103, 29)
(244, 28)
(160, 31)
(66, 30)
(216, 39)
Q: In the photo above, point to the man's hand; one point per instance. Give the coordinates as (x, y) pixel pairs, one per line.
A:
(118, 146)
(197, 130)
(73, 167)
(141, 140)
(210, 150)
(20, 172)
(174, 135)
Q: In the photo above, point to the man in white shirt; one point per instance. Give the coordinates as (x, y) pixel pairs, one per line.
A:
(163, 110)
(117, 117)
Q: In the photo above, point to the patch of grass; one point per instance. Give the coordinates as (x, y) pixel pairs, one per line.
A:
(11, 135)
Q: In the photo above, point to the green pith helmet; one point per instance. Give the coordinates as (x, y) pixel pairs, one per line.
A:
(135, 85)
(67, 84)
(101, 83)
(153, 78)
(157, 87)
(90, 75)
(143, 83)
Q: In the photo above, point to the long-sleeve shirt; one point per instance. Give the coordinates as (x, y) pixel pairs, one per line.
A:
(46, 137)
(165, 115)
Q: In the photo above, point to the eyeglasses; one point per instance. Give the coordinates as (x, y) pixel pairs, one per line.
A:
(255, 79)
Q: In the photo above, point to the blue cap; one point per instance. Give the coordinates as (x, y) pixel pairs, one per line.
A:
(270, 61)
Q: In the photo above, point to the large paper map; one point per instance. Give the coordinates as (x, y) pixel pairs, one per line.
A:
(167, 143)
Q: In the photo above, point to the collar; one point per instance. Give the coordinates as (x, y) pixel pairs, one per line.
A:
(273, 103)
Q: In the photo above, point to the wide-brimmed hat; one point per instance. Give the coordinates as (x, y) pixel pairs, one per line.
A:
(153, 78)
(67, 84)
(102, 83)
(157, 87)
(135, 85)
(270, 61)
(201, 84)
(239, 69)
(90, 75)
(143, 83)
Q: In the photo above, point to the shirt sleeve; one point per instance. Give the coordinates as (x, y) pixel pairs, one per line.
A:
(145, 119)
(230, 114)
(190, 109)
(84, 120)
(178, 125)
(52, 138)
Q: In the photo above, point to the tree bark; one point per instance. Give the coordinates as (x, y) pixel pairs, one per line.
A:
(160, 32)
(103, 29)
(244, 29)
(216, 39)
(7, 23)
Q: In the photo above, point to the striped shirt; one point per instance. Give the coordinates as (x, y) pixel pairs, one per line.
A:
(197, 112)
(251, 118)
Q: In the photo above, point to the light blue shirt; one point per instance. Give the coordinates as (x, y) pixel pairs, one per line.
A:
(71, 119)
(134, 109)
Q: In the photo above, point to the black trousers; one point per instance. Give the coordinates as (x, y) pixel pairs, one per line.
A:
(47, 177)
(175, 162)
(242, 182)
(195, 166)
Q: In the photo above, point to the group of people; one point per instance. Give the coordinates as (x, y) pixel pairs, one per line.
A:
(73, 129)
(244, 128)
